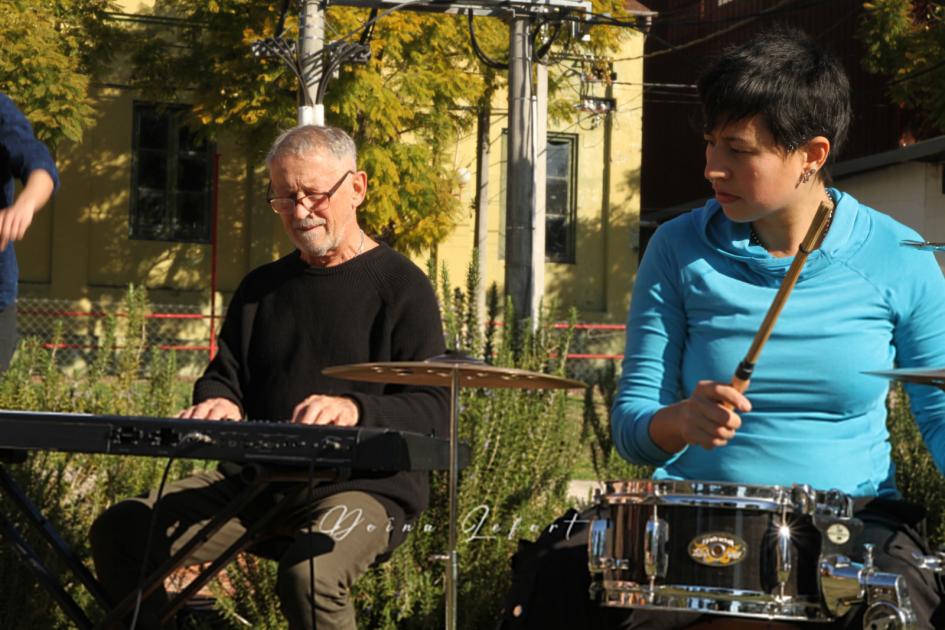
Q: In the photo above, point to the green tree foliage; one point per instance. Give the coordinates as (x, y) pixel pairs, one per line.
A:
(905, 40)
(406, 107)
(51, 50)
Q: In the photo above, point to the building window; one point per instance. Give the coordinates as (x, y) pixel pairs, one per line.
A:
(171, 177)
(560, 181)
(560, 197)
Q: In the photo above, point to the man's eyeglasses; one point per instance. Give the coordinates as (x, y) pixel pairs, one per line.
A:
(286, 205)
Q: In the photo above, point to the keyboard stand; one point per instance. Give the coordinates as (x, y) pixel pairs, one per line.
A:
(260, 478)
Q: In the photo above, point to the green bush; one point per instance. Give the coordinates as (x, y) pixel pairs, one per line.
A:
(523, 446)
(916, 475)
(72, 489)
(515, 484)
(595, 430)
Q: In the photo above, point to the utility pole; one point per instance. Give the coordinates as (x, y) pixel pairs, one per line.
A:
(520, 195)
(482, 202)
(540, 163)
(311, 52)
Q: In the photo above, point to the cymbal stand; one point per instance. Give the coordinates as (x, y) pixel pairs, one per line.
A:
(452, 568)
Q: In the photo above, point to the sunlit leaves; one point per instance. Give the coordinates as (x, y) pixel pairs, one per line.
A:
(49, 51)
(906, 41)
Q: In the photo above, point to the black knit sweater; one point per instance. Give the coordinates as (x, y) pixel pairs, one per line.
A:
(287, 321)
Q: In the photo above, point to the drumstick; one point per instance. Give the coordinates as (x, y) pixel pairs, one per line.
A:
(747, 366)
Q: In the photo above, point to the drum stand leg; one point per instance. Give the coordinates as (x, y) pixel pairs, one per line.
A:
(452, 561)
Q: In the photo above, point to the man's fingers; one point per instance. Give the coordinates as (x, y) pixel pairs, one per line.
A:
(217, 412)
(306, 411)
(214, 409)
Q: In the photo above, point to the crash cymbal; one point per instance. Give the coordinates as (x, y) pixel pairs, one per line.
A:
(438, 371)
(926, 245)
(910, 375)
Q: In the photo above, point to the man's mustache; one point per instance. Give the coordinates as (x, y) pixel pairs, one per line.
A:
(308, 222)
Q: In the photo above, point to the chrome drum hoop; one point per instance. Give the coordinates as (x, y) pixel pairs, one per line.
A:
(681, 598)
(798, 499)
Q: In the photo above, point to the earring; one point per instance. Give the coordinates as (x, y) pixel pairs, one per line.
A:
(806, 175)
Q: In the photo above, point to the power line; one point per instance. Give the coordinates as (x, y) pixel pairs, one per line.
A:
(918, 73)
(710, 36)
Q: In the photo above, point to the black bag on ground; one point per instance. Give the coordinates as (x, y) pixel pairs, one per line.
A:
(550, 579)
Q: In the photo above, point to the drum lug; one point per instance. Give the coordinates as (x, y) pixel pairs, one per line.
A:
(888, 605)
(597, 546)
(885, 616)
(845, 584)
(655, 557)
(785, 559)
(840, 584)
(934, 563)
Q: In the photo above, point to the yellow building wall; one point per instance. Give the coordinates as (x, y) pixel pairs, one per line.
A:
(79, 248)
(608, 202)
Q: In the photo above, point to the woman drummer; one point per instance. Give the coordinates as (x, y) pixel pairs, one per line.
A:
(776, 113)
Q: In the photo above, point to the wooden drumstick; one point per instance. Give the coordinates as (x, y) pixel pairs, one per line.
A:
(814, 232)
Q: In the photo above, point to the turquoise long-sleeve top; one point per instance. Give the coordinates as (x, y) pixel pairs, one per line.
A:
(862, 302)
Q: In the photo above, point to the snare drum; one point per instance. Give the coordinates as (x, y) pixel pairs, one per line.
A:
(713, 547)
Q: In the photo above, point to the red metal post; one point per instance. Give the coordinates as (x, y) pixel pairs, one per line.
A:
(214, 211)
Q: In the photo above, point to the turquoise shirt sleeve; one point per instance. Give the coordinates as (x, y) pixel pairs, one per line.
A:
(656, 330)
(920, 342)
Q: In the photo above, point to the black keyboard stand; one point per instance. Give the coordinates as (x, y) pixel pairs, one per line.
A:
(260, 477)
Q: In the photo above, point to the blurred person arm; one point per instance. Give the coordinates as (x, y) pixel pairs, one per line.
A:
(29, 161)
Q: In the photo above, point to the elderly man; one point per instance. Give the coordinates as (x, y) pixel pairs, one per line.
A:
(340, 298)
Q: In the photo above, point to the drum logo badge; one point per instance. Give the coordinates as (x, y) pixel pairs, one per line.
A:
(717, 549)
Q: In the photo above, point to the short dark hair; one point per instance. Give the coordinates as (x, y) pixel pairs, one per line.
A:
(799, 88)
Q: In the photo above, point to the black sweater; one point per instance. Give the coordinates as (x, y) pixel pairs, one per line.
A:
(287, 321)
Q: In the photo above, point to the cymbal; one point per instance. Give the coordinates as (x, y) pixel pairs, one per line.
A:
(926, 245)
(438, 371)
(911, 375)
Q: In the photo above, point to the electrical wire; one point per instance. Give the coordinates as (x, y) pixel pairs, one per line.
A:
(187, 443)
(147, 544)
(311, 540)
(281, 25)
(369, 30)
(710, 36)
(480, 54)
(542, 50)
(918, 73)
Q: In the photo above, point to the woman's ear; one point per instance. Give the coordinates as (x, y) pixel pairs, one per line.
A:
(815, 152)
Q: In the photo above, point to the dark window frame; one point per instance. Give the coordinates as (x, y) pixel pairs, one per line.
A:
(171, 228)
(569, 255)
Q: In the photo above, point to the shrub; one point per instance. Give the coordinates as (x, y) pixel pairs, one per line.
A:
(515, 484)
(916, 475)
(72, 489)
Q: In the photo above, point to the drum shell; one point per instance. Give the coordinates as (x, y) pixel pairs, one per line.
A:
(756, 529)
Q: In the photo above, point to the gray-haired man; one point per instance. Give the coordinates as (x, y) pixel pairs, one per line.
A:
(340, 298)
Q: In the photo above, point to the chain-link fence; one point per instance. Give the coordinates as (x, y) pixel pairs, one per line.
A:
(180, 328)
(593, 347)
(186, 330)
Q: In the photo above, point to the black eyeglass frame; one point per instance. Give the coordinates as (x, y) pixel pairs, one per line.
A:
(315, 198)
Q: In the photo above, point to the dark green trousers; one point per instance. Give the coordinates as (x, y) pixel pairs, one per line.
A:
(348, 533)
